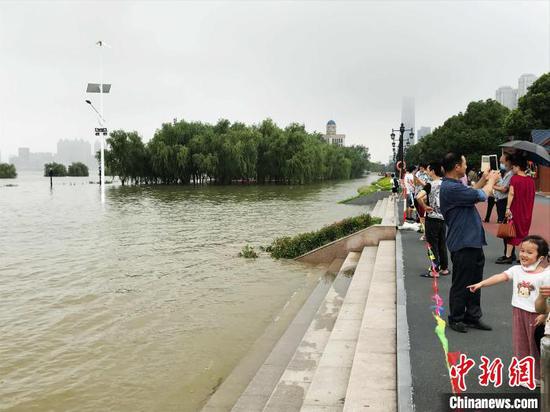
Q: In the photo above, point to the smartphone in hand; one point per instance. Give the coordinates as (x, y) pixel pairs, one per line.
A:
(493, 162)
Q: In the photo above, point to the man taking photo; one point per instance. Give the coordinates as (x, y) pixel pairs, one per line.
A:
(465, 239)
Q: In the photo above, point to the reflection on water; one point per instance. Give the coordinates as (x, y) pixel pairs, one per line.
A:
(141, 303)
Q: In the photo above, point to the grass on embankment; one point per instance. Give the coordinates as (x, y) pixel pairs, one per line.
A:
(382, 184)
(292, 247)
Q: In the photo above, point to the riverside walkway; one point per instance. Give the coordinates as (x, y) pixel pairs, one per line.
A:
(430, 379)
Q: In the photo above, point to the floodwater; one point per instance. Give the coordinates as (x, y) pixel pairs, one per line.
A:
(142, 304)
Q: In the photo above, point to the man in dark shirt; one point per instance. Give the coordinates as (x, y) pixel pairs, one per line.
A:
(465, 240)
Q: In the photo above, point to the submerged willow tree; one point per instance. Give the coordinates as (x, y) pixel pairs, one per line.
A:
(7, 171)
(195, 152)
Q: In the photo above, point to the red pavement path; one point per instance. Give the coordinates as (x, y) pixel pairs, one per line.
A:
(540, 225)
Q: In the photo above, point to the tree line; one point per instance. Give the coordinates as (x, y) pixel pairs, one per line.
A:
(7, 171)
(195, 152)
(485, 125)
(58, 169)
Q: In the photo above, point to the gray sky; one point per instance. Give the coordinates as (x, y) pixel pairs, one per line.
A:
(245, 61)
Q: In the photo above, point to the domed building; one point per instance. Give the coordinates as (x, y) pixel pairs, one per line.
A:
(332, 137)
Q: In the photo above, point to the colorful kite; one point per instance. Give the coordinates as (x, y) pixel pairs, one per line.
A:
(437, 310)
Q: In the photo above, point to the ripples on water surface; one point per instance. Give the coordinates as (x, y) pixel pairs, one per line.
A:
(141, 304)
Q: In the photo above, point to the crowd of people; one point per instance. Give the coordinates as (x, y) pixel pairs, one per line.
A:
(442, 197)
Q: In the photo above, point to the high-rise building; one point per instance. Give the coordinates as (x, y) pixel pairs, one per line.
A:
(407, 113)
(69, 151)
(332, 137)
(26, 160)
(423, 131)
(24, 154)
(507, 97)
(524, 81)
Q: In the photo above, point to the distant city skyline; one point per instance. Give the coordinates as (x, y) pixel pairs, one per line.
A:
(422, 132)
(509, 96)
(524, 82)
(408, 116)
(68, 151)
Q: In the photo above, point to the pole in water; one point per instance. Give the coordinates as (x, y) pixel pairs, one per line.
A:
(51, 178)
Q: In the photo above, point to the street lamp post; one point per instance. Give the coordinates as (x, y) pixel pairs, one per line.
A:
(100, 88)
(102, 131)
(402, 146)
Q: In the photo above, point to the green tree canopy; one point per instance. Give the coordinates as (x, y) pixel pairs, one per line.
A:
(77, 169)
(56, 168)
(477, 131)
(196, 152)
(7, 171)
(126, 157)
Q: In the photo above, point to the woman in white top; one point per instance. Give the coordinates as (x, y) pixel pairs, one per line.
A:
(528, 278)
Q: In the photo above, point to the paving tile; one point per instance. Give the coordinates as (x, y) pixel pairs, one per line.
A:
(287, 397)
(379, 401)
(339, 353)
(328, 387)
(376, 340)
(346, 329)
(380, 318)
(351, 311)
(250, 403)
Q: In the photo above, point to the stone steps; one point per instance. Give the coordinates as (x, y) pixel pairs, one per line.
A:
(328, 387)
(274, 341)
(376, 210)
(372, 385)
(388, 216)
(384, 207)
(263, 384)
(318, 346)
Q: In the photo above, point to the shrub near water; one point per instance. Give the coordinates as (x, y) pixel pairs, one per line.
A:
(248, 252)
(56, 168)
(77, 169)
(7, 171)
(292, 247)
(382, 184)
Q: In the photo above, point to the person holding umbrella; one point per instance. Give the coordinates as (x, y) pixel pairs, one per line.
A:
(532, 151)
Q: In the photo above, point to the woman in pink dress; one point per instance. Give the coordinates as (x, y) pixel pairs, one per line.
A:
(521, 199)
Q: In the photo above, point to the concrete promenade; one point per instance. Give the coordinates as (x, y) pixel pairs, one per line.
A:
(430, 379)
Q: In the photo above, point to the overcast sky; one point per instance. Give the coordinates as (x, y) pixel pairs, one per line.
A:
(304, 62)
